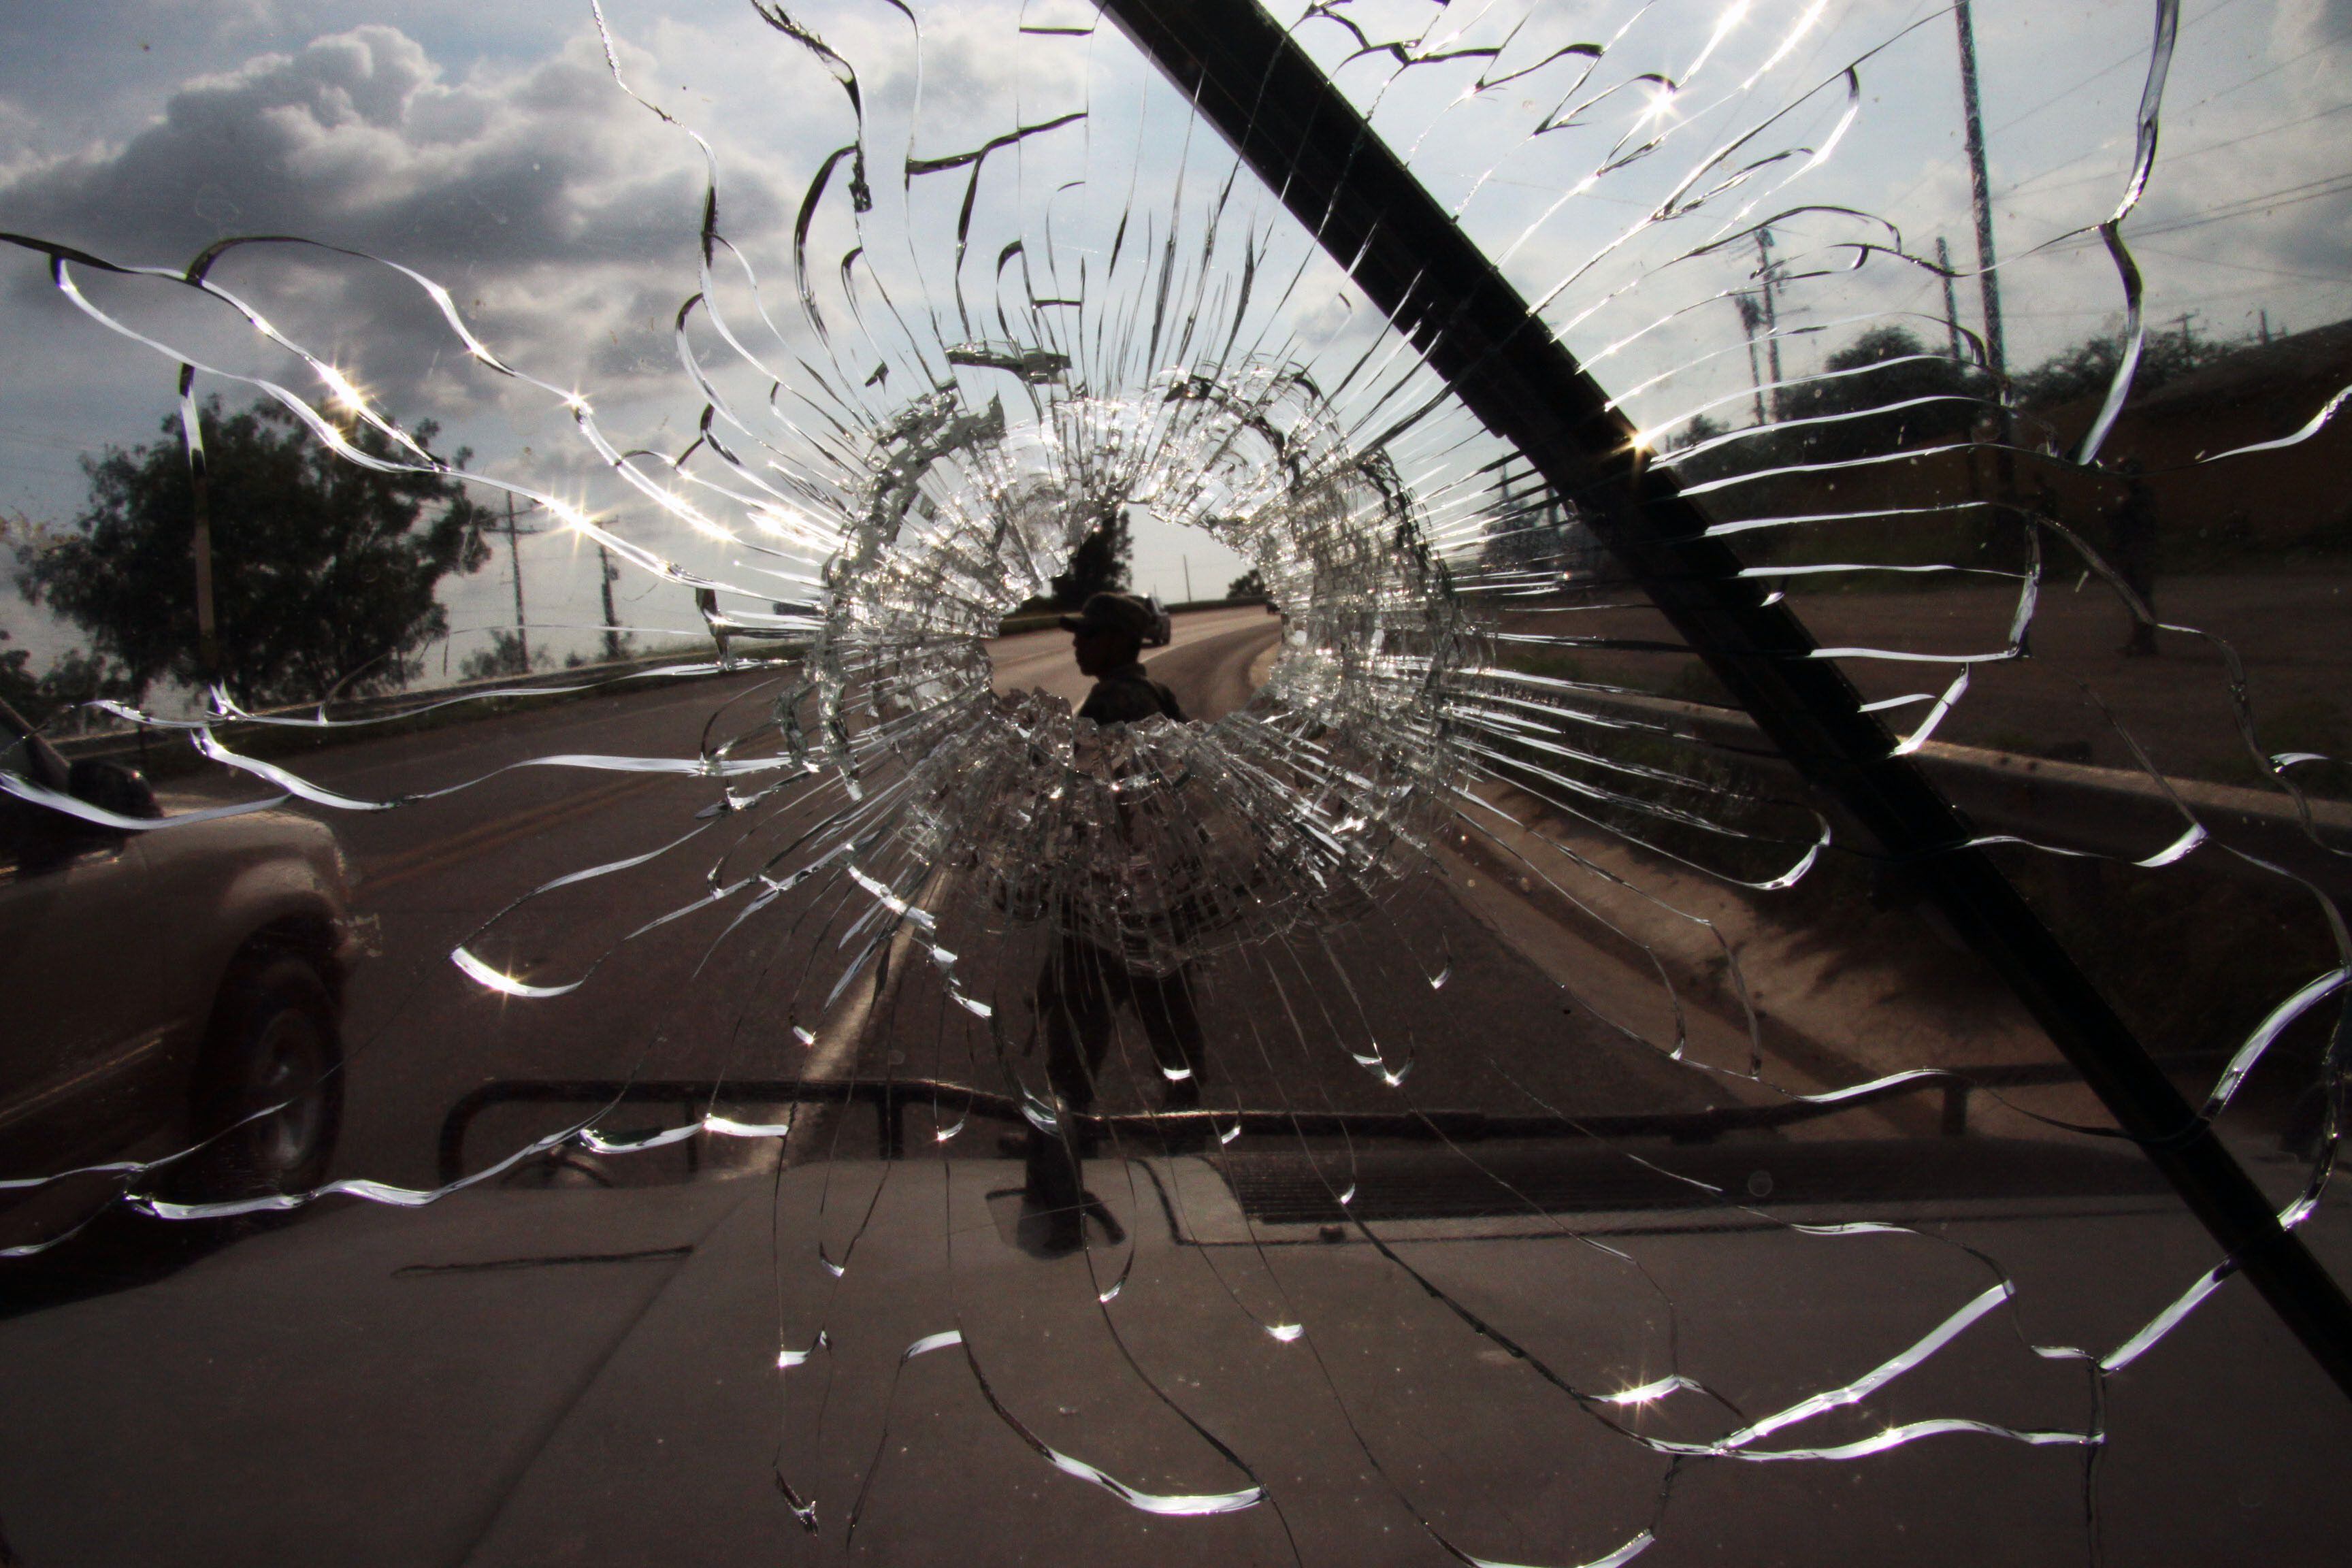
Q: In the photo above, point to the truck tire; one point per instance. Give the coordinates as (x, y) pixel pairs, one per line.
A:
(268, 1092)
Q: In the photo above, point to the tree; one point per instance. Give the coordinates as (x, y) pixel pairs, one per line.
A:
(79, 677)
(323, 573)
(1250, 584)
(2089, 368)
(1909, 372)
(503, 657)
(1697, 432)
(19, 688)
(1099, 564)
(1529, 529)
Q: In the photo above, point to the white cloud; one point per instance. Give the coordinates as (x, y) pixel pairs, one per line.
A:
(358, 139)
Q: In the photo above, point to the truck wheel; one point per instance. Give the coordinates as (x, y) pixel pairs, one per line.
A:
(269, 1092)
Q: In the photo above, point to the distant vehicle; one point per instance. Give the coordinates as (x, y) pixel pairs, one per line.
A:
(1163, 627)
(164, 989)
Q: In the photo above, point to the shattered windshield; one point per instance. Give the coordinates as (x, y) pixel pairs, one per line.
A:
(1511, 784)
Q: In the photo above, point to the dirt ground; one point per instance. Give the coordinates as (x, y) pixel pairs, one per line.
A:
(2291, 634)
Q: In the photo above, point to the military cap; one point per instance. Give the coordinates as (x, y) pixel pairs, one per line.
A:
(1121, 613)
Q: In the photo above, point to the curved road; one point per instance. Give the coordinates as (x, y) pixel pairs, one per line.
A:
(1207, 664)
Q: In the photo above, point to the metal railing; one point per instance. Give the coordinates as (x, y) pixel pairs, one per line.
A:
(890, 1098)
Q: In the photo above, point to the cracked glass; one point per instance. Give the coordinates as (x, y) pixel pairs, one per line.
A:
(646, 912)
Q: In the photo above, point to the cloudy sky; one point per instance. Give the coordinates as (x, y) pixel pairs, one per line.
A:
(490, 147)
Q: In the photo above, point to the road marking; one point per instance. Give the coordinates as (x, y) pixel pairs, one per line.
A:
(442, 854)
(841, 1032)
(465, 733)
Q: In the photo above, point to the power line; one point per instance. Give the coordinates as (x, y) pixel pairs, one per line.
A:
(2243, 207)
(2328, 42)
(2117, 64)
(2242, 265)
(2169, 158)
(2070, 91)
(2073, 90)
(2111, 312)
(2254, 206)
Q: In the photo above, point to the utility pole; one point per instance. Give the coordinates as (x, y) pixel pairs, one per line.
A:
(514, 559)
(207, 624)
(1979, 190)
(1188, 577)
(200, 544)
(1951, 310)
(1751, 316)
(1771, 313)
(605, 572)
(2266, 329)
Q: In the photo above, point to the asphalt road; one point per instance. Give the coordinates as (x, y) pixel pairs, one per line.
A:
(1529, 1017)
(543, 1371)
(1459, 985)
(1285, 1025)
(1206, 662)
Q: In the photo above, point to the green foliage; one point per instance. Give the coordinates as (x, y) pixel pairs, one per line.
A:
(78, 677)
(1531, 530)
(1868, 379)
(19, 688)
(1099, 564)
(1250, 584)
(323, 572)
(503, 657)
(81, 677)
(1894, 368)
(2089, 368)
(1697, 431)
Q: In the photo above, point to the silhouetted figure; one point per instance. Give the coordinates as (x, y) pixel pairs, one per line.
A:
(1082, 984)
(1107, 638)
(1078, 996)
(2132, 539)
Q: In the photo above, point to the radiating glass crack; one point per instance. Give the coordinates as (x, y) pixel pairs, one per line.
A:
(1443, 1045)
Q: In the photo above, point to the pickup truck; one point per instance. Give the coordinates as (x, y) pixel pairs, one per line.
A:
(172, 995)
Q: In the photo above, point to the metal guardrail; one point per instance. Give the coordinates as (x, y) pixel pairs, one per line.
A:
(889, 1099)
(122, 738)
